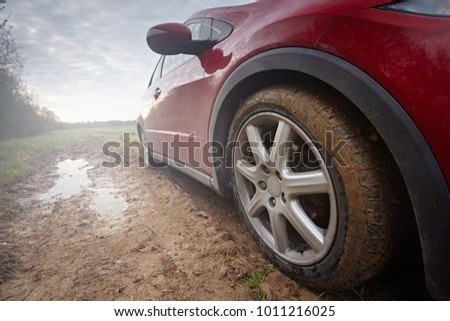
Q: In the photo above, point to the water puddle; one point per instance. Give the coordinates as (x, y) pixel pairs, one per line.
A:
(108, 203)
(72, 178)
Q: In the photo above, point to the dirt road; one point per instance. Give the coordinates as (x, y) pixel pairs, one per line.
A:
(80, 231)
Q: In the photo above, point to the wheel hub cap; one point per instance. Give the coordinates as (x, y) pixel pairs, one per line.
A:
(274, 186)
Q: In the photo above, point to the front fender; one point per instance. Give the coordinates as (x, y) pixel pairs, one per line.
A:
(423, 177)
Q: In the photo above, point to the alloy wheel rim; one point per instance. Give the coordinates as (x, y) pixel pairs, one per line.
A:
(285, 188)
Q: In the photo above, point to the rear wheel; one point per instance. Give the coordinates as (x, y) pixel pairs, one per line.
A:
(149, 161)
(313, 192)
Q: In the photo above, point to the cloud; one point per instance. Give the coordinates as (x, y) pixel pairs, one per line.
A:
(88, 60)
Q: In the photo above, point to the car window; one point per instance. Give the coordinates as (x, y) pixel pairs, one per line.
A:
(157, 72)
(173, 61)
(195, 30)
(220, 29)
(200, 28)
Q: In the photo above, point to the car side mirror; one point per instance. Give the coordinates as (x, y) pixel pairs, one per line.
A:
(176, 38)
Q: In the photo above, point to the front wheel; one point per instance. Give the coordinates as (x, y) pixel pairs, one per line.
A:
(312, 192)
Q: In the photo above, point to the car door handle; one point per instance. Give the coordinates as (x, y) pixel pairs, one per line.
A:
(157, 93)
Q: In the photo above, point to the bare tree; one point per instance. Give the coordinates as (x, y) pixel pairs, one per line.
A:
(20, 114)
(9, 51)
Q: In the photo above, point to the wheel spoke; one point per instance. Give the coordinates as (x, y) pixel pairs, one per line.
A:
(259, 151)
(311, 233)
(279, 232)
(305, 183)
(250, 172)
(255, 205)
(281, 142)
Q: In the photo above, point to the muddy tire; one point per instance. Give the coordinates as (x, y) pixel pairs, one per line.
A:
(312, 186)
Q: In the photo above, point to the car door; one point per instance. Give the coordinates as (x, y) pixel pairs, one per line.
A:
(147, 109)
(178, 105)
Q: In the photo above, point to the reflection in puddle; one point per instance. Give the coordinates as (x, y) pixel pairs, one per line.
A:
(107, 202)
(72, 177)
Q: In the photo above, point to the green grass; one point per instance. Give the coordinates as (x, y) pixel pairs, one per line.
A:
(257, 278)
(112, 130)
(20, 157)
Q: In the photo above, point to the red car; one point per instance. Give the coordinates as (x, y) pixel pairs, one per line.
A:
(328, 122)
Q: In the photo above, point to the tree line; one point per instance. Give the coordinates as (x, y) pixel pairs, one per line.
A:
(96, 124)
(20, 113)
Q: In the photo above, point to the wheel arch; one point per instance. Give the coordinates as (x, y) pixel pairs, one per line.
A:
(426, 184)
(139, 127)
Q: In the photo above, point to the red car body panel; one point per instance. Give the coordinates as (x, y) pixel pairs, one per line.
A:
(409, 56)
(182, 118)
(198, 81)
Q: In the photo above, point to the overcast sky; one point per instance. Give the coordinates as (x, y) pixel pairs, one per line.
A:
(88, 60)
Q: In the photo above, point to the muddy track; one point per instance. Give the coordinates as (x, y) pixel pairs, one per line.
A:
(136, 234)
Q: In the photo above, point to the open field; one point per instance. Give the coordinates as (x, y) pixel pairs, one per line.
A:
(72, 229)
(20, 157)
